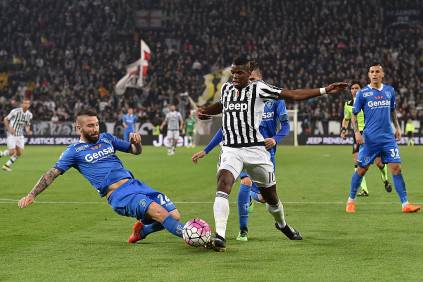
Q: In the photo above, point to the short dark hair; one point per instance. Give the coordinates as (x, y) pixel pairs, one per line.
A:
(355, 82)
(376, 64)
(240, 61)
(87, 112)
(254, 65)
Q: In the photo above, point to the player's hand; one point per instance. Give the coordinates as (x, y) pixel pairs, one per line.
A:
(343, 134)
(26, 201)
(269, 143)
(135, 138)
(201, 115)
(198, 156)
(359, 138)
(336, 87)
(398, 134)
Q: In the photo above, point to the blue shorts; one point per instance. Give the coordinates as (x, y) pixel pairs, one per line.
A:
(243, 174)
(133, 199)
(388, 152)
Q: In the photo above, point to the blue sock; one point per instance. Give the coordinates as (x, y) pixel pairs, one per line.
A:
(173, 226)
(254, 194)
(151, 228)
(355, 183)
(400, 187)
(243, 203)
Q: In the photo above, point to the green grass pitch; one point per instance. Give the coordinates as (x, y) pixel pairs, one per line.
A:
(73, 235)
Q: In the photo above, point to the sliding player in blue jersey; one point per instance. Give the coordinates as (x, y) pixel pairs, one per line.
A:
(274, 113)
(94, 156)
(377, 101)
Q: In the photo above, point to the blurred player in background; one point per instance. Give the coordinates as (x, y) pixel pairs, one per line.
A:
(274, 112)
(189, 129)
(242, 105)
(174, 123)
(409, 131)
(128, 121)
(15, 123)
(377, 101)
(355, 87)
(94, 156)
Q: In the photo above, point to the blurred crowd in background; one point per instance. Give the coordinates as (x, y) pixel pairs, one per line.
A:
(68, 55)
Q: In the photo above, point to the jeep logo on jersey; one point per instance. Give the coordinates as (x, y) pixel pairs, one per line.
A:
(379, 104)
(106, 152)
(236, 106)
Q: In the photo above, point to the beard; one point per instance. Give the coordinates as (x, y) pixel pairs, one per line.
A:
(91, 137)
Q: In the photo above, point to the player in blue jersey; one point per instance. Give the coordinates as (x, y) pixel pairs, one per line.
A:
(128, 122)
(94, 156)
(377, 101)
(274, 112)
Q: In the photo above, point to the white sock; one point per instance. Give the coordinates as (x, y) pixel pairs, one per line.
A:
(221, 212)
(11, 161)
(277, 212)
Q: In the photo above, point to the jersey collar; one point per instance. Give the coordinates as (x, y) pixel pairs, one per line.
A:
(380, 89)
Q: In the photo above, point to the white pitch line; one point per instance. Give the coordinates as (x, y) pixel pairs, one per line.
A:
(13, 201)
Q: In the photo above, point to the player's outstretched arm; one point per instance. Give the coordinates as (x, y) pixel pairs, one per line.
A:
(358, 138)
(135, 140)
(394, 118)
(304, 94)
(41, 185)
(207, 112)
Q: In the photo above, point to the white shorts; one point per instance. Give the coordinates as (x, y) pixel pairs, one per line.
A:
(15, 141)
(172, 134)
(254, 160)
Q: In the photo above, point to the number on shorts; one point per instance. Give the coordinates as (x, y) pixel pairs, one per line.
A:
(271, 177)
(394, 153)
(163, 199)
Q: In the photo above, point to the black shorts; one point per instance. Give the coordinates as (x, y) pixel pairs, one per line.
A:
(410, 134)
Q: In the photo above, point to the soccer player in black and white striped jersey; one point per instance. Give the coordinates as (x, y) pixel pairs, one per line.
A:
(15, 123)
(242, 104)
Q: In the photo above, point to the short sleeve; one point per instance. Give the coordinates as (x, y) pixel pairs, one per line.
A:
(66, 160)
(267, 91)
(119, 144)
(347, 111)
(393, 100)
(11, 114)
(358, 103)
(222, 90)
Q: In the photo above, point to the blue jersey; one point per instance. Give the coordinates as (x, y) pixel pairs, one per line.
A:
(274, 112)
(377, 105)
(97, 162)
(129, 120)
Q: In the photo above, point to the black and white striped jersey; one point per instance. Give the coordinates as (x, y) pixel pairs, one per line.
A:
(18, 120)
(243, 111)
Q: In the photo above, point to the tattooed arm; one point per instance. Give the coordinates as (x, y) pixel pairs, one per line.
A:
(41, 185)
(396, 124)
(354, 123)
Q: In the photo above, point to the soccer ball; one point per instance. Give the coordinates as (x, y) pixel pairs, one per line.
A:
(196, 232)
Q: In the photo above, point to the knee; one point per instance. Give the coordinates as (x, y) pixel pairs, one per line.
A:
(225, 182)
(362, 170)
(396, 169)
(157, 212)
(246, 181)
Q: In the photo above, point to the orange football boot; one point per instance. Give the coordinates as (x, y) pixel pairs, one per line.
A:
(350, 207)
(136, 235)
(409, 208)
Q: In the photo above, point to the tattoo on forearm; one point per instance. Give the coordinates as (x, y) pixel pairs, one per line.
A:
(354, 124)
(44, 181)
(395, 119)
